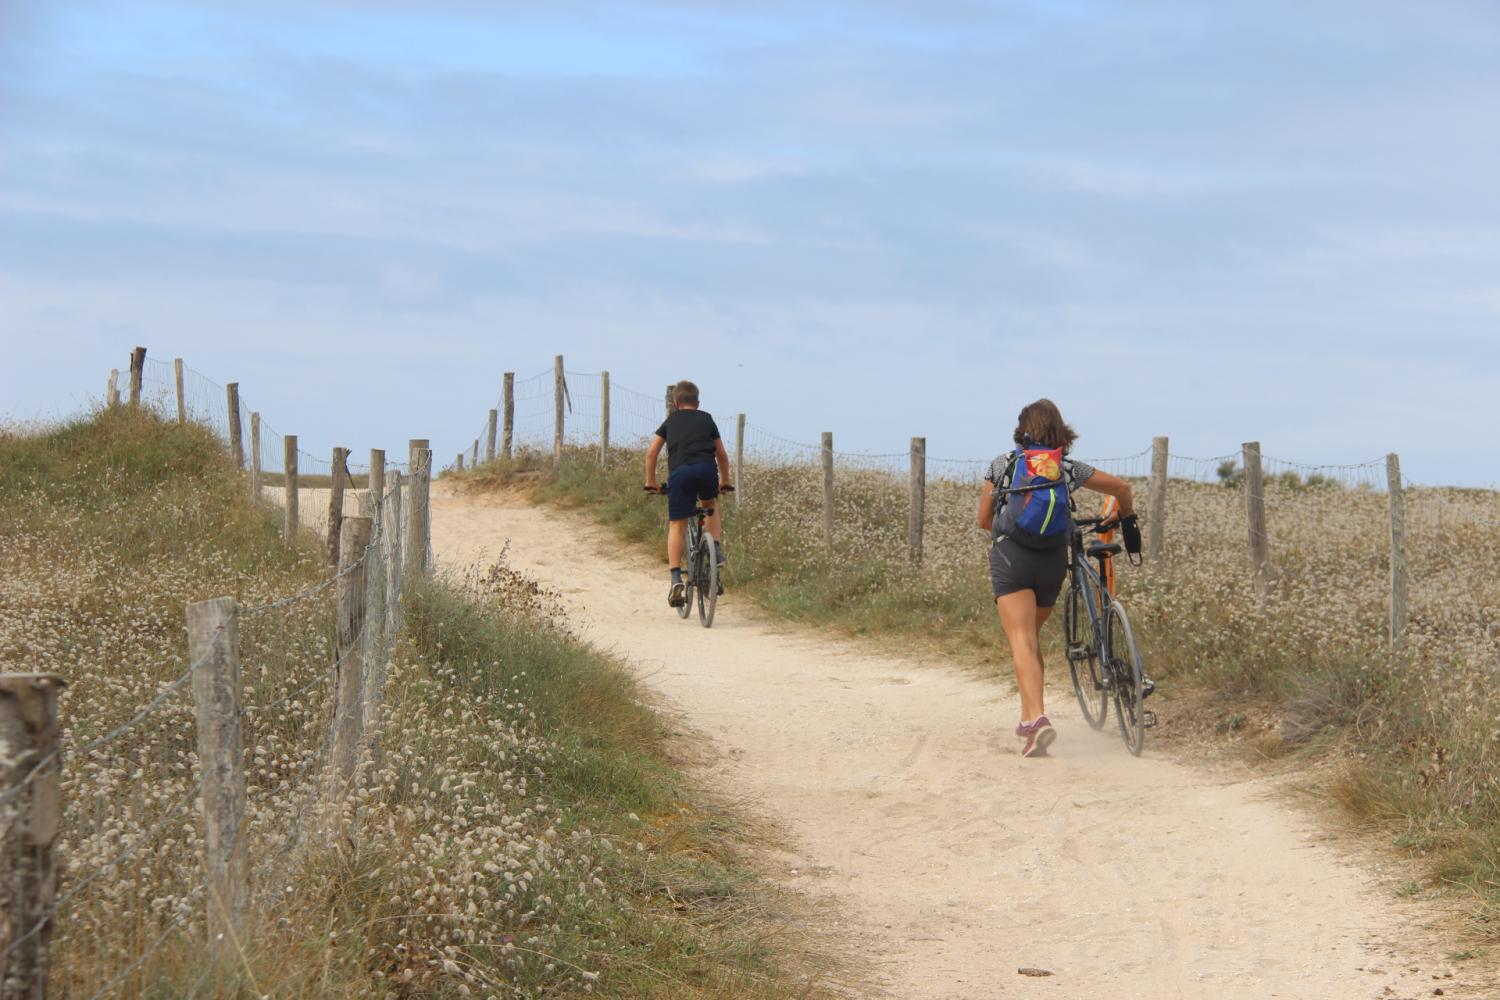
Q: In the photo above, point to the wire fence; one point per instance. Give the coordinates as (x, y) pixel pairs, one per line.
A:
(129, 761)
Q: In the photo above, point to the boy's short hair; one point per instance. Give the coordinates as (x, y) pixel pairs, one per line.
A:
(685, 392)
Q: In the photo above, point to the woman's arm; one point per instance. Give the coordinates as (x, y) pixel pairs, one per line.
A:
(987, 506)
(1103, 482)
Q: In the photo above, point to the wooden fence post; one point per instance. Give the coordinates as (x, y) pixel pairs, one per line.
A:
(181, 395)
(1396, 497)
(459, 463)
(375, 484)
(671, 404)
(28, 825)
(255, 458)
(509, 403)
(418, 525)
(918, 505)
(1156, 516)
(1255, 509)
(236, 442)
(828, 487)
(338, 474)
(394, 535)
(557, 408)
(390, 619)
(137, 374)
(739, 459)
(489, 440)
(289, 490)
(349, 708)
(603, 417)
(474, 460)
(214, 648)
(112, 393)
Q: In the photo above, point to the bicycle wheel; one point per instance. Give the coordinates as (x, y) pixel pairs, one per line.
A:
(686, 607)
(708, 581)
(1083, 660)
(1129, 679)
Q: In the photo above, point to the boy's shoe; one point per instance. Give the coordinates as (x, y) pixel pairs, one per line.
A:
(719, 556)
(1148, 687)
(677, 596)
(1039, 735)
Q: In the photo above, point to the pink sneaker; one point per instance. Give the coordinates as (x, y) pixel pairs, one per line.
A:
(1039, 735)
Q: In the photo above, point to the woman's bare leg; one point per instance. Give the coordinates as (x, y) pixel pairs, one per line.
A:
(1019, 618)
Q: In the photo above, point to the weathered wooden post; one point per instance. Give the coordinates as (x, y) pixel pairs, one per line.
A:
(489, 439)
(1156, 516)
(214, 649)
(475, 458)
(739, 459)
(289, 488)
(181, 395)
(557, 408)
(603, 417)
(112, 392)
(509, 403)
(918, 506)
(1396, 497)
(827, 454)
(337, 475)
(255, 457)
(137, 374)
(375, 485)
(236, 442)
(459, 462)
(1255, 509)
(29, 821)
(418, 523)
(393, 538)
(671, 403)
(349, 708)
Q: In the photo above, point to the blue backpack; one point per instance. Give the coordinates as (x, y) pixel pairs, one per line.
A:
(1032, 502)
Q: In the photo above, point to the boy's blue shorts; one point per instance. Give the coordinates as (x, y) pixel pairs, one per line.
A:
(687, 485)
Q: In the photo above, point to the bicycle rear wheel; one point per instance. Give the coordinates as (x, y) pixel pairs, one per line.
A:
(707, 574)
(1083, 660)
(1129, 678)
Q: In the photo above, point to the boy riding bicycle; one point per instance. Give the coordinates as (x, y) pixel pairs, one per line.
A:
(696, 466)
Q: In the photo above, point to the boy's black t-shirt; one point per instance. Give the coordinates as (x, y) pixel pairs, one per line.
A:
(690, 436)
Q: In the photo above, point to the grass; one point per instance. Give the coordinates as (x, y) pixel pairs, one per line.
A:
(1300, 674)
(523, 833)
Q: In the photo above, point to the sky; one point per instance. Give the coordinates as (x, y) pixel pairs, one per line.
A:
(1218, 222)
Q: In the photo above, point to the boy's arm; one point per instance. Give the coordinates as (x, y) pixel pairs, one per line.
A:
(723, 458)
(651, 455)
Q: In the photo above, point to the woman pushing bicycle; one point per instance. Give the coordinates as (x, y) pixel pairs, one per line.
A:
(697, 470)
(1027, 508)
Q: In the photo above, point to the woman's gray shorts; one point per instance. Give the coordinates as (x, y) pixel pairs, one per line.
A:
(1014, 567)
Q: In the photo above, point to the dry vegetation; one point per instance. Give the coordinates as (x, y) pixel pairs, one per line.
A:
(521, 836)
(1414, 736)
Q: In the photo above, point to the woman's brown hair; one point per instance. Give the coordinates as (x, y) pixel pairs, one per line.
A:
(1042, 423)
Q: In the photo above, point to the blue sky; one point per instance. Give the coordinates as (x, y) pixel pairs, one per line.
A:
(1214, 221)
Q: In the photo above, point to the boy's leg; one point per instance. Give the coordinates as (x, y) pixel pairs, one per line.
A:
(712, 520)
(676, 542)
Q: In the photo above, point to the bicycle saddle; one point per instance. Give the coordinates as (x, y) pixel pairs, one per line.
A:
(1097, 550)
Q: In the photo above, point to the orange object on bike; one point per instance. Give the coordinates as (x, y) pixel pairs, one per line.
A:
(1111, 509)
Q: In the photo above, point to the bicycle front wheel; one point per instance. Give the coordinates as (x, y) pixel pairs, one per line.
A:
(1084, 665)
(1129, 678)
(688, 572)
(707, 574)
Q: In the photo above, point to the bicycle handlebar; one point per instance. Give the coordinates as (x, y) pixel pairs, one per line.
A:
(661, 491)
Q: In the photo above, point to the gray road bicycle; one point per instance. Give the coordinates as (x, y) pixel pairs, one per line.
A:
(700, 570)
(1102, 655)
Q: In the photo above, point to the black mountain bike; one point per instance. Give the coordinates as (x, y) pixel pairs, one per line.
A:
(1102, 655)
(700, 571)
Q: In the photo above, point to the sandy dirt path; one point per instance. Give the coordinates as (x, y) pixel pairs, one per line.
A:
(952, 861)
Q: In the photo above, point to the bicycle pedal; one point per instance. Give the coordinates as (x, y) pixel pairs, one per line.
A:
(1148, 718)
